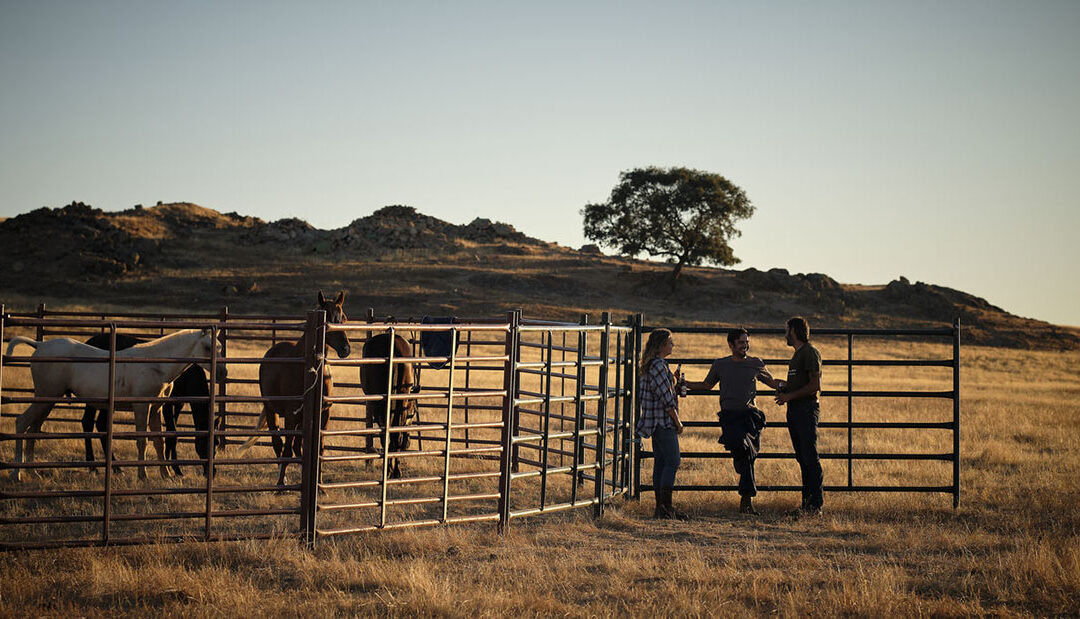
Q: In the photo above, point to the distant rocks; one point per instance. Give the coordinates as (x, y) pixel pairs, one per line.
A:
(99, 246)
(282, 231)
(391, 227)
(780, 280)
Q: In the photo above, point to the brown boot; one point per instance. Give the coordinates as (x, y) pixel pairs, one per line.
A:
(675, 514)
(746, 506)
(661, 506)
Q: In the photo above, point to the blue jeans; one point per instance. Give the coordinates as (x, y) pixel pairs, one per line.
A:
(802, 421)
(666, 458)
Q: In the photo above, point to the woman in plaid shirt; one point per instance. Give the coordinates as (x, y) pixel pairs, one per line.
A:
(660, 418)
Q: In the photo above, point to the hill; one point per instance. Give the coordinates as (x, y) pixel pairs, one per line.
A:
(404, 263)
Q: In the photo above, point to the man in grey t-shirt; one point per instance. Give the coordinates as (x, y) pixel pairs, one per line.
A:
(740, 419)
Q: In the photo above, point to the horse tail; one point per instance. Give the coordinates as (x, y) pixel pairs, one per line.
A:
(18, 339)
(251, 441)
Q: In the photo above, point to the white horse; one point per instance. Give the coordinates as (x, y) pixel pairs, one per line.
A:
(54, 379)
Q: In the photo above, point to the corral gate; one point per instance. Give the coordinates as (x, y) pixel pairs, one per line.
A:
(530, 417)
(526, 417)
(777, 446)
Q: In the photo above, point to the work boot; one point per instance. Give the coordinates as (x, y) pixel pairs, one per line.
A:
(675, 514)
(661, 507)
(746, 506)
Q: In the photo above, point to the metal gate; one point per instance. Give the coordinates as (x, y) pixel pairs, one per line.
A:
(494, 440)
(847, 396)
(526, 417)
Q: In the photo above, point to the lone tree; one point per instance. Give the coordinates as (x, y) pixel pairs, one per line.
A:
(686, 215)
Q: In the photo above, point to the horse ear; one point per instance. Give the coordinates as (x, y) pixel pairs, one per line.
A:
(340, 298)
(322, 301)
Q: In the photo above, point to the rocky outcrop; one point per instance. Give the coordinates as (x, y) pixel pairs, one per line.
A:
(85, 236)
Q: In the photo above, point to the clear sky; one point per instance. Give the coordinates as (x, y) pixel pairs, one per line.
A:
(935, 140)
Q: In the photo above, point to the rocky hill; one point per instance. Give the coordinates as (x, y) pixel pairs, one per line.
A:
(406, 263)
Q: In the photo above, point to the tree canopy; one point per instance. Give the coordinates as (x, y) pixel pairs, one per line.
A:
(685, 215)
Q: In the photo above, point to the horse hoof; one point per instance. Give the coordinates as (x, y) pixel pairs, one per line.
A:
(177, 471)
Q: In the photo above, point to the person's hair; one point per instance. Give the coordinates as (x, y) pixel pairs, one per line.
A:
(657, 338)
(735, 334)
(801, 328)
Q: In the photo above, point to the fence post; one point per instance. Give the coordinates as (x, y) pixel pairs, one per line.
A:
(387, 422)
(579, 406)
(369, 421)
(546, 441)
(639, 325)
(850, 407)
(311, 416)
(108, 455)
(208, 467)
(449, 424)
(40, 335)
(601, 414)
(956, 413)
(515, 450)
(222, 385)
(509, 373)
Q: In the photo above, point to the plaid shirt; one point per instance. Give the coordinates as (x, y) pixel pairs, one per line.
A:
(657, 395)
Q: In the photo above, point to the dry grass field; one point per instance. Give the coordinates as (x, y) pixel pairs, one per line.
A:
(1012, 548)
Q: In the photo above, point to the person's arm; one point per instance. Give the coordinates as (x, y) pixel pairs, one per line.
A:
(662, 386)
(809, 388)
(764, 376)
(674, 414)
(709, 381)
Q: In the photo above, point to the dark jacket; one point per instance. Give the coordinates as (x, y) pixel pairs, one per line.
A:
(742, 432)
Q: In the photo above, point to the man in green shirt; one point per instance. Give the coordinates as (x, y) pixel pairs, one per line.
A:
(800, 392)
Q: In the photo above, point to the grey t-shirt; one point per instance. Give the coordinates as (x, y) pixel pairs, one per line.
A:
(738, 381)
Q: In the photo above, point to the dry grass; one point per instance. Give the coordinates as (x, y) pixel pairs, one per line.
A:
(1013, 547)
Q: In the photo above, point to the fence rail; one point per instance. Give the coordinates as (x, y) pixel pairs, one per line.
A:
(950, 335)
(517, 418)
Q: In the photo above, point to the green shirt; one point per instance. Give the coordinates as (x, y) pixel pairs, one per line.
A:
(805, 362)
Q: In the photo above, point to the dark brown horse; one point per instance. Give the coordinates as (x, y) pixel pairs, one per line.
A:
(377, 377)
(287, 379)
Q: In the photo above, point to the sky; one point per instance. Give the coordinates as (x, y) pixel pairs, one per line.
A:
(939, 141)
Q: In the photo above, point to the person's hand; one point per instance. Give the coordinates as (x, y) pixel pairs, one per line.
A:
(782, 398)
(678, 426)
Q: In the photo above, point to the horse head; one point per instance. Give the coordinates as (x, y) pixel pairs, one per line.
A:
(335, 315)
(205, 346)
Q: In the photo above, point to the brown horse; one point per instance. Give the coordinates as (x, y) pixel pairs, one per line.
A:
(376, 378)
(287, 379)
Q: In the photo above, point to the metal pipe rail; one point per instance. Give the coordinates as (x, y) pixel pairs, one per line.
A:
(950, 335)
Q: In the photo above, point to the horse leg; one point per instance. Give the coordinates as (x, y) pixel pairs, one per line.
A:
(159, 445)
(142, 413)
(221, 426)
(103, 427)
(281, 447)
(171, 412)
(286, 452)
(200, 419)
(369, 440)
(89, 415)
(30, 420)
